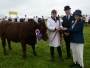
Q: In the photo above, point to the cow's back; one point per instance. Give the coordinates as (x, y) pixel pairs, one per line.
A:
(18, 31)
(9, 30)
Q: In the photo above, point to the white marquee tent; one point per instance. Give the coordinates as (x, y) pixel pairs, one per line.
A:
(2, 16)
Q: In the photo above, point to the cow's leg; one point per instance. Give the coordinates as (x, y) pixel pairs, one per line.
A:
(23, 44)
(9, 45)
(4, 44)
(34, 52)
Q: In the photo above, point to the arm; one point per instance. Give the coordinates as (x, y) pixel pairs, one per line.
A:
(49, 26)
(76, 29)
(61, 27)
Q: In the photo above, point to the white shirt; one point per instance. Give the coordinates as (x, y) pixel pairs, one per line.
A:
(18, 19)
(6, 19)
(68, 16)
(36, 20)
(87, 19)
(43, 18)
(74, 24)
(26, 19)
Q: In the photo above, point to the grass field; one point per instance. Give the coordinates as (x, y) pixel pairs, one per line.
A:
(14, 58)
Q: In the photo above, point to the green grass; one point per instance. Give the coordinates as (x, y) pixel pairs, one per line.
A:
(14, 58)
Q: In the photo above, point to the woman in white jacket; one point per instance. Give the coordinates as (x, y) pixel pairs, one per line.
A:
(53, 25)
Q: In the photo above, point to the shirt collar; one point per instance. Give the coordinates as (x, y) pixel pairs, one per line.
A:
(68, 16)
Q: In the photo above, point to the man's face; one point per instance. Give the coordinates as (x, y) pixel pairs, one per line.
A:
(68, 11)
(53, 15)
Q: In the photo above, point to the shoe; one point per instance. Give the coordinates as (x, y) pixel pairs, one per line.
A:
(73, 65)
(78, 66)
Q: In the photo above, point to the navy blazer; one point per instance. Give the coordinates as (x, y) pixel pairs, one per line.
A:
(67, 23)
(76, 33)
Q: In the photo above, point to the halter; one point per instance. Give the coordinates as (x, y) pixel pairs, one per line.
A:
(38, 34)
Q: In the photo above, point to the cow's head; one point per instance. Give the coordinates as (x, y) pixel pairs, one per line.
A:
(43, 29)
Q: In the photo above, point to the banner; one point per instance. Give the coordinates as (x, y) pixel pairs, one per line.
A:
(13, 13)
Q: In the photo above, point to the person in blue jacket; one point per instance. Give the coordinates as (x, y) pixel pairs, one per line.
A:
(77, 39)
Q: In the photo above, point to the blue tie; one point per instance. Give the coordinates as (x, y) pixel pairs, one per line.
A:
(67, 17)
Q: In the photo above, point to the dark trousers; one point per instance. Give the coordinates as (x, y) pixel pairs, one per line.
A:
(67, 43)
(58, 50)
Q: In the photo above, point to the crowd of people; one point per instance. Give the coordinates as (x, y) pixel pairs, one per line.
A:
(85, 18)
(25, 19)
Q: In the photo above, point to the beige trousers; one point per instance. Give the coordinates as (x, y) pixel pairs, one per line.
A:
(77, 52)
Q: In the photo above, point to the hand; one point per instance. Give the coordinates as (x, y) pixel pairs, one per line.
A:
(61, 27)
(67, 34)
(57, 28)
(64, 28)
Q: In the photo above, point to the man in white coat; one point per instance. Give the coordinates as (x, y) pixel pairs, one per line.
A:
(53, 25)
(42, 17)
(18, 19)
(86, 20)
(6, 18)
(36, 19)
(26, 19)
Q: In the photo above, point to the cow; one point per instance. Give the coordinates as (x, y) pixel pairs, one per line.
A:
(22, 32)
(22, 20)
(9, 19)
(39, 19)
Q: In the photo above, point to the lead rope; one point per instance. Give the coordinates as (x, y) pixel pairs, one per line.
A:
(54, 36)
(61, 42)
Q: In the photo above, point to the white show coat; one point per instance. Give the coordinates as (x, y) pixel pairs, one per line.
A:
(51, 25)
(87, 19)
(26, 19)
(6, 19)
(36, 20)
(18, 19)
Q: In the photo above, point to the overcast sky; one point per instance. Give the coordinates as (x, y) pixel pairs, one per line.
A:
(42, 7)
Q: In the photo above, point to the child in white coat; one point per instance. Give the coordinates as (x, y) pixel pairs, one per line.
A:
(53, 25)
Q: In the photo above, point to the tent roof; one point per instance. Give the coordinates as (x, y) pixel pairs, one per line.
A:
(2, 16)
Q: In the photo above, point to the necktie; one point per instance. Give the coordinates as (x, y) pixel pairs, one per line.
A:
(67, 17)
